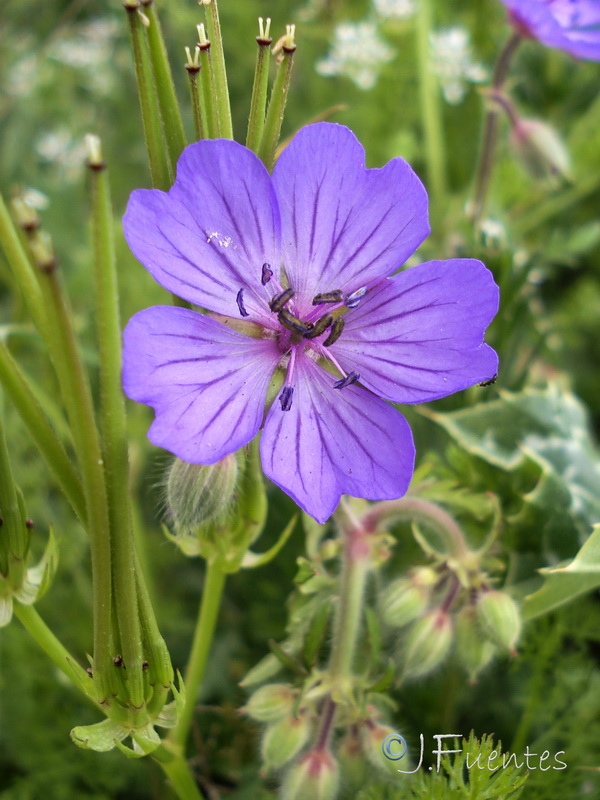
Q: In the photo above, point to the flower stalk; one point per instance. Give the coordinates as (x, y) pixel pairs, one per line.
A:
(277, 102)
(213, 28)
(165, 88)
(208, 87)
(156, 147)
(258, 104)
(485, 164)
(193, 68)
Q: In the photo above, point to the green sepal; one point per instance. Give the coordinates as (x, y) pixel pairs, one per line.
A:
(266, 668)
(252, 560)
(101, 737)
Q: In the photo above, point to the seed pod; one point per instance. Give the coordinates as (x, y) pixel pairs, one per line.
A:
(403, 601)
(315, 776)
(271, 702)
(427, 643)
(473, 648)
(201, 494)
(500, 618)
(284, 739)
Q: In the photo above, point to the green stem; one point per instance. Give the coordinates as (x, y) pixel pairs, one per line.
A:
(181, 779)
(276, 109)
(209, 97)
(22, 269)
(355, 568)
(198, 104)
(411, 508)
(114, 428)
(258, 105)
(214, 582)
(151, 120)
(213, 28)
(430, 109)
(485, 164)
(50, 446)
(165, 87)
(41, 633)
(77, 398)
(15, 536)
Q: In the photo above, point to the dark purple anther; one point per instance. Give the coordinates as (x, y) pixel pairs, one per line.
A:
(285, 398)
(279, 300)
(294, 324)
(336, 296)
(350, 378)
(336, 332)
(319, 327)
(352, 300)
(240, 301)
(267, 274)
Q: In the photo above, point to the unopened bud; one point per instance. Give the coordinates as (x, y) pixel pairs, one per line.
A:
(353, 764)
(271, 702)
(284, 739)
(404, 600)
(427, 643)
(315, 776)
(473, 648)
(500, 618)
(372, 736)
(201, 494)
(540, 150)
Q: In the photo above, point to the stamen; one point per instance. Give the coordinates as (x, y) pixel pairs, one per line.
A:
(352, 300)
(285, 398)
(336, 332)
(267, 272)
(240, 302)
(336, 296)
(350, 378)
(279, 300)
(292, 323)
(319, 327)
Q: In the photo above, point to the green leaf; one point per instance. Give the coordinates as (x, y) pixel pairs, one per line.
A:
(567, 581)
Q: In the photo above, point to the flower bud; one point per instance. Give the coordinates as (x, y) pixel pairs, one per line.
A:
(315, 776)
(473, 649)
(406, 599)
(540, 150)
(427, 643)
(271, 702)
(201, 494)
(284, 739)
(353, 764)
(372, 736)
(500, 618)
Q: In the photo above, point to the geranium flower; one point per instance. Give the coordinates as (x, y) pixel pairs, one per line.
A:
(570, 25)
(294, 270)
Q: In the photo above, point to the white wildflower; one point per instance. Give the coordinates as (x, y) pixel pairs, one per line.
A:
(358, 52)
(395, 9)
(452, 62)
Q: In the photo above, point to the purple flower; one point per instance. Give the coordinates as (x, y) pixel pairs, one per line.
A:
(294, 269)
(570, 25)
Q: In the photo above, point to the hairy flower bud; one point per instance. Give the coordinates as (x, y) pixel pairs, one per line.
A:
(406, 599)
(500, 617)
(353, 764)
(372, 736)
(284, 739)
(315, 776)
(201, 494)
(473, 648)
(427, 643)
(540, 150)
(271, 702)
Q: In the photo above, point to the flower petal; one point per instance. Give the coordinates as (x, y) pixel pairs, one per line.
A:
(344, 226)
(206, 382)
(209, 236)
(419, 335)
(333, 442)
